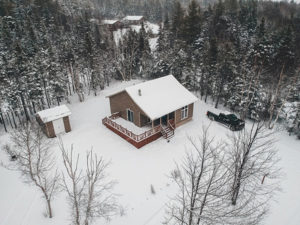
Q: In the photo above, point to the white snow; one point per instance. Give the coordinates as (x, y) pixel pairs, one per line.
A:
(55, 113)
(131, 126)
(109, 21)
(160, 96)
(118, 35)
(132, 18)
(136, 169)
(149, 27)
(154, 28)
(153, 43)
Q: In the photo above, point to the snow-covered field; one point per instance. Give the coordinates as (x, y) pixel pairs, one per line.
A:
(136, 169)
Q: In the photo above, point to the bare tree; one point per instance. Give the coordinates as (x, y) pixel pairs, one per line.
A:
(204, 192)
(200, 181)
(252, 157)
(35, 160)
(89, 193)
(75, 186)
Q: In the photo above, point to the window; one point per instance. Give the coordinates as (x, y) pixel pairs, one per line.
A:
(184, 112)
(129, 115)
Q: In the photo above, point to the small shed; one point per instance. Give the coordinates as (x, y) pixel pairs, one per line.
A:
(55, 120)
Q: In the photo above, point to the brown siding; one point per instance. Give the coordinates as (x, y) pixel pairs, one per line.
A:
(121, 102)
(144, 120)
(67, 124)
(46, 127)
(50, 130)
(178, 121)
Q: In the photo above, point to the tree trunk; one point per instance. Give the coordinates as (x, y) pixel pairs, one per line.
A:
(33, 107)
(236, 189)
(49, 208)
(206, 95)
(19, 118)
(219, 92)
(12, 114)
(9, 120)
(76, 81)
(2, 118)
(217, 101)
(24, 107)
(46, 93)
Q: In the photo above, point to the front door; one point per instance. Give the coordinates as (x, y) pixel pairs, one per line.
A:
(58, 126)
(164, 120)
(171, 115)
(129, 115)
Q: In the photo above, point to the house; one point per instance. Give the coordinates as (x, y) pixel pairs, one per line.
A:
(55, 120)
(133, 20)
(112, 25)
(162, 104)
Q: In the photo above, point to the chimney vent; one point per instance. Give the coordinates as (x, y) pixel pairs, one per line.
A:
(140, 92)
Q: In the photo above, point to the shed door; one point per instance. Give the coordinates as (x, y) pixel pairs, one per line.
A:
(59, 126)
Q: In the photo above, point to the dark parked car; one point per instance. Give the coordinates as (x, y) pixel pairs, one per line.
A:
(229, 120)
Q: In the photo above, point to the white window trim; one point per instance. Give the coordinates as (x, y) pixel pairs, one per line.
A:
(185, 112)
(132, 115)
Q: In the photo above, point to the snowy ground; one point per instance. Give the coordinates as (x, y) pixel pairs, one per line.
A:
(136, 169)
(149, 27)
(153, 43)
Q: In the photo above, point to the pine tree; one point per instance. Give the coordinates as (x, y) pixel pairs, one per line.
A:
(191, 23)
(177, 20)
(284, 53)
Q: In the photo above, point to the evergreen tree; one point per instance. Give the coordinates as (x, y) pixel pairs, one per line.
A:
(177, 20)
(191, 23)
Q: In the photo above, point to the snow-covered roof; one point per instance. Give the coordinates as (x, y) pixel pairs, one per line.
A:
(55, 113)
(160, 96)
(129, 18)
(109, 21)
(93, 20)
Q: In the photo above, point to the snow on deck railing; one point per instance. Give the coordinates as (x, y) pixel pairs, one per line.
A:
(128, 133)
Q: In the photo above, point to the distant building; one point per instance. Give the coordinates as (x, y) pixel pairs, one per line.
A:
(54, 121)
(133, 20)
(112, 25)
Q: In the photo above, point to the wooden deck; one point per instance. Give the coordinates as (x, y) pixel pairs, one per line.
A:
(137, 140)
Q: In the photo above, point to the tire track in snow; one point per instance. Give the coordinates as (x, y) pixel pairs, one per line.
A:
(13, 207)
(27, 212)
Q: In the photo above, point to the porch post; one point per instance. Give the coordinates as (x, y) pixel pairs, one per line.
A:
(152, 124)
(175, 118)
(160, 120)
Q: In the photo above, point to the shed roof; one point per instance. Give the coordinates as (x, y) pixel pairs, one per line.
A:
(133, 18)
(55, 113)
(160, 96)
(109, 21)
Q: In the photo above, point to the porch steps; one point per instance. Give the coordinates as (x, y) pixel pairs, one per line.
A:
(167, 132)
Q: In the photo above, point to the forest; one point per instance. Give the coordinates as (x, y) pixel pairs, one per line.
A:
(241, 54)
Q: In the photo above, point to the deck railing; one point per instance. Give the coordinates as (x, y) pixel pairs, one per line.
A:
(171, 123)
(136, 137)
